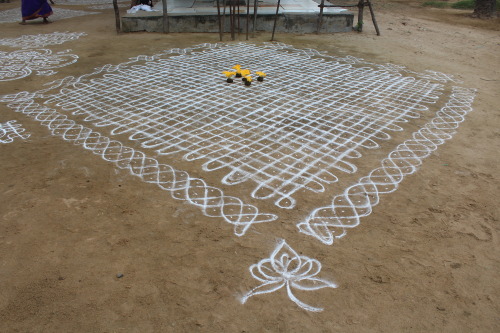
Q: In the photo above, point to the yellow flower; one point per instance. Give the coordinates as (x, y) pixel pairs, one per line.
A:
(245, 72)
(249, 78)
(237, 67)
(261, 74)
(229, 74)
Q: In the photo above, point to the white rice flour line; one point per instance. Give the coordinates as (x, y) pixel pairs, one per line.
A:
(328, 223)
(11, 130)
(393, 68)
(41, 40)
(309, 118)
(21, 63)
(286, 268)
(181, 186)
(279, 270)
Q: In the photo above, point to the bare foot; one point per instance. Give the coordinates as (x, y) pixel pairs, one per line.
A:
(45, 21)
(23, 22)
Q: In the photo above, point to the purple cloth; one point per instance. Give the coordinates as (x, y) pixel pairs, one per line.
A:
(32, 9)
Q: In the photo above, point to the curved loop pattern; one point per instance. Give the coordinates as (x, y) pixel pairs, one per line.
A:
(298, 130)
(328, 223)
(211, 200)
(393, 68)
(21, 63)
(11, 130)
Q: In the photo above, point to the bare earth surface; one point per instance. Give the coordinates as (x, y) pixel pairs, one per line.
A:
(425, 260)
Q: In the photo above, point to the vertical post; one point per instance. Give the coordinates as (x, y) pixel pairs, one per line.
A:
(275, 19)
(248, 15)
(373, 17)
(220, 23)
(361, 6)
(166, 28)
(231, 17)
(224, 17)
(238, 2)
(117, 17)
(255, 5)
(320, 18)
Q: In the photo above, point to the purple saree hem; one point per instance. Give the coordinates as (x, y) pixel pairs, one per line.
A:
(32, 9)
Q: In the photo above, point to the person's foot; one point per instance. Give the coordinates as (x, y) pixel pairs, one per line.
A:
(45, 21)
(23, 22)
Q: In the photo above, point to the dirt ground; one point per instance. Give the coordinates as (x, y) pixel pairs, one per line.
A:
(426, 260)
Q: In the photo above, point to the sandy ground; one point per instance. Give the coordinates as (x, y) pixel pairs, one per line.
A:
(426, 260)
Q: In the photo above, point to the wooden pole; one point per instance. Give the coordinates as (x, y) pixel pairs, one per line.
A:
(248, 15)
(117, 17)
(373, 17)
(220, 23)
(275, 19)
(224, 18)
(166, 28)
(231, 21)
(320, 18)
(255, 5)
(238, 19)
(361, 6)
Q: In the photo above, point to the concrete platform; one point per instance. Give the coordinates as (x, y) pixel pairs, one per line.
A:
(297, 16)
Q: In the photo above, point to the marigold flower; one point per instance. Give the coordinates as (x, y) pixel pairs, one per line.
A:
(229, 74)
(237, 67)
(245, 72)
(261, 74)
(248, 78)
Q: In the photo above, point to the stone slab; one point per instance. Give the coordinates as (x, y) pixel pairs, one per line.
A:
(295, 16)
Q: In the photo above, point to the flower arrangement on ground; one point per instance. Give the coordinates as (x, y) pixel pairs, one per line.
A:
(245, 74)
(237, 68)
(248, 80)
(229, 76)
(260, 76)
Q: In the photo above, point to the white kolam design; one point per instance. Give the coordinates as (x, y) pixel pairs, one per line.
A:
(307, 122)
(41, 40)
(357, 201)
(11, 130)
(21, 63)
(285, 268)
(211, 200)
(310, 121)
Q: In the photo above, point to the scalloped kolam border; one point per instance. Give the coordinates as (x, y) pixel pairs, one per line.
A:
(325, 223)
